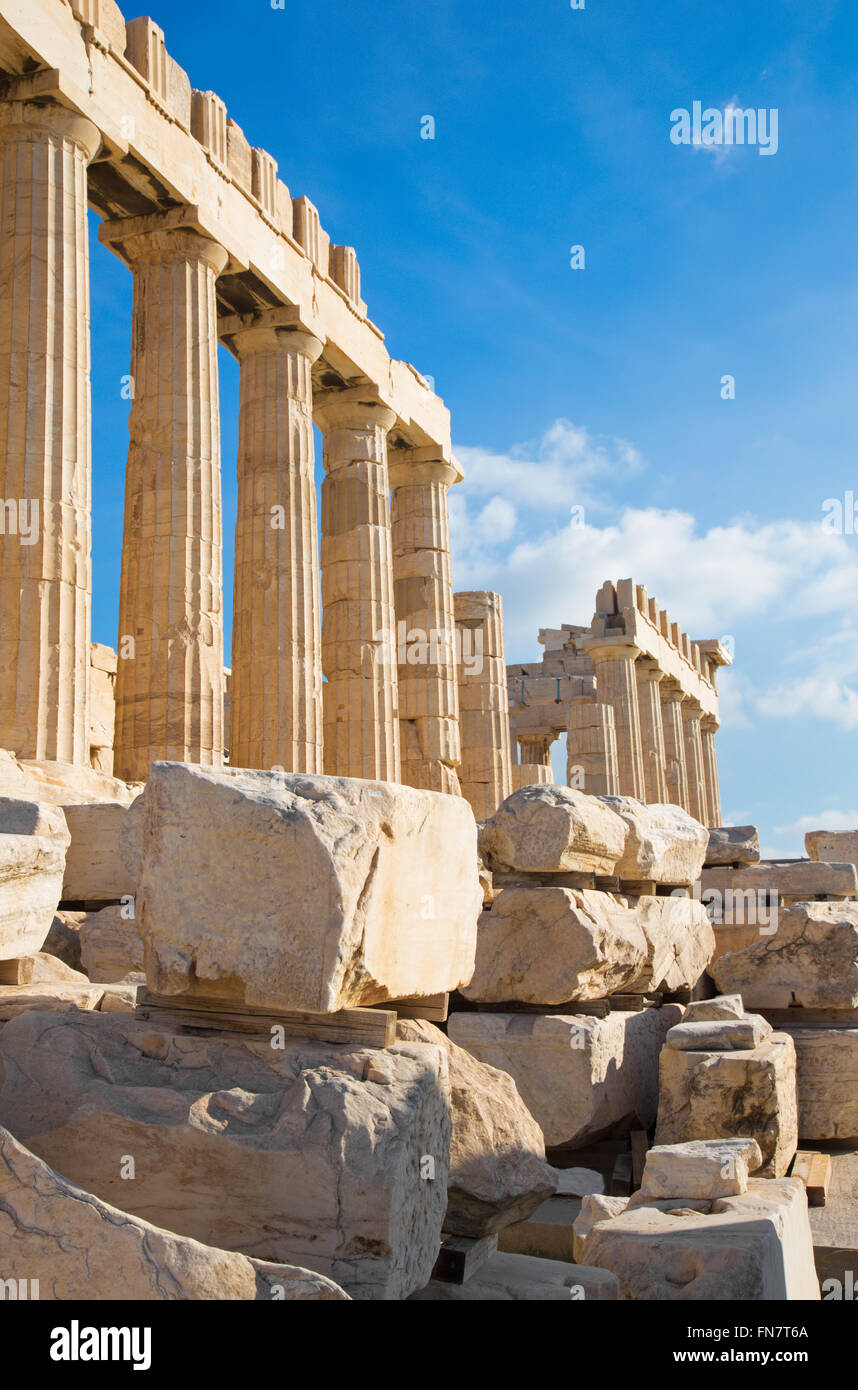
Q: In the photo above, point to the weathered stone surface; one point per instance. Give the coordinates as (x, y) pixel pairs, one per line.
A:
(110, 945)
(750, 1094)
(799, 879)
(498, 1172)
(733, 844)
(595, 1207)
(131, 837)
(63, 938)
(680, 942)
(719, 1035)
(95, 870)
(320, 1166)
(663, 843)
(827, 1076)
(508, 1278)
(32, 818)
(39, 968)
(756, 1246)
(549, 945)
(59, 783)
(31, 876)
(812, 960)
(553, 829)
(832, 846)
(706, 1168)
(58, 996)
(312, 893)
(581, 1077)
(723, 1006)
(75, 1246)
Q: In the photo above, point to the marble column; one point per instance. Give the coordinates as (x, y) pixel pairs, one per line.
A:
(276, 686)
(616, 685)
(591, 749)
(675, 771)
(708, 730)
(45, 487)
(649, 675)
(691, 716)
(170, 679)
(486, 769)
(429, 741)
(360, 696)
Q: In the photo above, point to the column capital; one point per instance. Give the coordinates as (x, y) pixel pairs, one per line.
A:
(163, 236)
(407, 467)
(649, 670)
(672, 690)
(709, 724)
(691, 708)
(19, 118)
(616, 648)
(358, 407)
(284, 329)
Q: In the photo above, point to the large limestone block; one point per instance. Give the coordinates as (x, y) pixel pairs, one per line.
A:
(800, 879)
(95, 869)
(663, 842)
(832, 846)
(719, 1035)
(827, 1074)
(498, 1172)
(756, 1246)
(31, 878)
(581, 1077)
(32, 818)
(313, 893)
(313, 1154)
(553, 829)
(721, 1007)
(59, 783)
(509, 1278)
(75, 1246)
(549, 945)
(39, 968)
(706, 1168)
(812, 961)
(733, 844)
(680, 943)
(751, 1094)
(110, 945)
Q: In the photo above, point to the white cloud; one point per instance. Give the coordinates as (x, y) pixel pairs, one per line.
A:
(825, 820)
(815, 696)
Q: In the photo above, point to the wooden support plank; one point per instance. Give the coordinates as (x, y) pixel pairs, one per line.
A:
(360, 1027)
(810, 1018)
(434, 1007)
(640, 1147)
(628, 1003)
(639, 887)
(621, 1178)
(814, 1169)
(461, 1256)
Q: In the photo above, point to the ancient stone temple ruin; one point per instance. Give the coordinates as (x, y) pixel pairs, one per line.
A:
(373, 1012)
(637, 699)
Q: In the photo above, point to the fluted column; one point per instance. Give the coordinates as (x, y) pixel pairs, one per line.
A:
(45, 489)
(276, 686)
(708, 730)
(691, 715)
(360, 697)
(169, 684)
(616, 685)
(429, 741)
(649, 676)
(676, 774)
(591, 749)
(486, 770)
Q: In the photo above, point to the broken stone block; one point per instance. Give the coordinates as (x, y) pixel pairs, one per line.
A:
(498, 1172)
(549, 945)
(703, 1168)
(832, 846)
(131, 837)
(32, 818)
(800, 880)
(59, 783)
(280, 1148)
(755, 1246)
(31, 878)
(63, 938)
(595, 1207)
(733, 844)
(663, 843)
(719, 1035)
(57, 996)
(95, 869)
(39, 968)
(553, 829)
(110, 945)
(827, 1076)
(749, 1094)
(580, 1077)
(723, 1006)
(307, 893)
(680, 942)
(508, 1277)
(812, 961)
(73, 1246)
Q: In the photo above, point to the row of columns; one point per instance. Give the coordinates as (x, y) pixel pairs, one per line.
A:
(665, 744)
(385, 564)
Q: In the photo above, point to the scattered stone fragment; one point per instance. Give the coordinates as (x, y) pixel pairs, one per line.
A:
(553, 829)
(110, 945)
(719, 1035)
(733, 844)
(812, 961)
(663, 843)
(507, 1277)
(832, 846)
(31, 877)
(704, 1168)
(724, 1006)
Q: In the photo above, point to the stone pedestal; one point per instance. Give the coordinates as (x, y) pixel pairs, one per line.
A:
(169, 683)
(675, 771)
(430, 747)
(649, 676)
(486, 771)
(360, 697)
(276, 689)
(45, 573)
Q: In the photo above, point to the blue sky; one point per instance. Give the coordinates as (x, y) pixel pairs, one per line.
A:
(598, 387)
